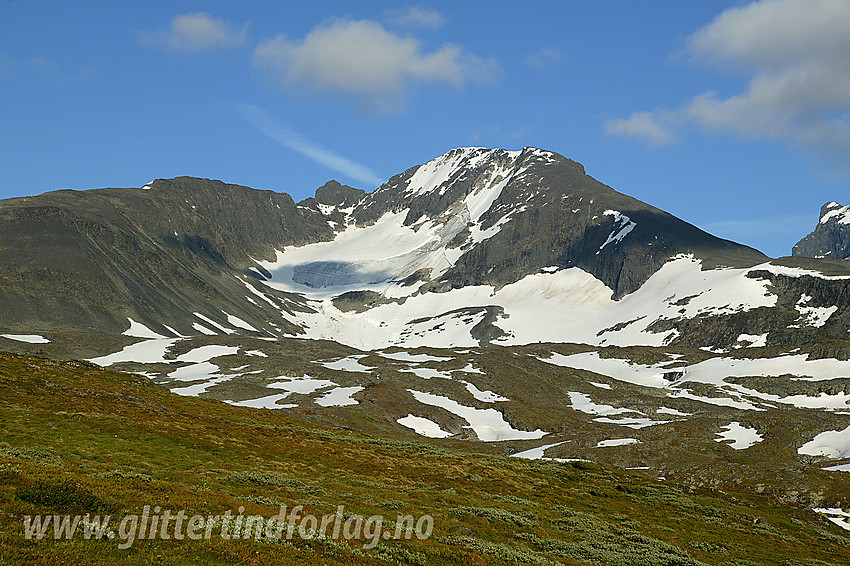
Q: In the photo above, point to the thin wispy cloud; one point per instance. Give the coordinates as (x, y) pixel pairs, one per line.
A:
(644, 126)
(416, 16)
(363, 60)
(544, 58)
(274, 129)
(196, 32)
(795, 54)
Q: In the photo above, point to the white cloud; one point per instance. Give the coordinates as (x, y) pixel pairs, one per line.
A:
(268, 125)
(796, 54)
(196, 32)
(652, 128)
(360, 58)
(544, 57)
(416, 16)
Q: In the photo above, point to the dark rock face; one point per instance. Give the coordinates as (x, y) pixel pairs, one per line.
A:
(89, 259)
(336, 194)
(831, 237)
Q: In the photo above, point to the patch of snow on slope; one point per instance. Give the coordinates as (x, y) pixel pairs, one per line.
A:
(813, 316)
(674, 412)
(708, 371)
(195, 372)
(201, 367)
(339, 397)
(626, 226)
(485, 396)
(832, 444)
(797, 272)
(206, 353)
(258, 293)
(536, 453)
(427, 373)
(488, 424)
(302, 385)
(268, 402)
(214, 324)
(415, 358)
(630, 422)
(619, 369)
(617, 442)
(239, 323)
(363, 257)
(836, 515)
(714, 371)
(30, 338)
(569, 305)
(351, 363)
(423, 426)
(203, 329)
(838, 468)
(736, 403)
(147, 352)
(197, 389)
(742, 437)
(581, 402)
(429, 177)
(139, 330)
(753, 340)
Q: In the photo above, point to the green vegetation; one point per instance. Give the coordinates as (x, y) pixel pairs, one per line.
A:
(78, 439)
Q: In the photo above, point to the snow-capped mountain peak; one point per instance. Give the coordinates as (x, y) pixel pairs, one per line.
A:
(831, 236)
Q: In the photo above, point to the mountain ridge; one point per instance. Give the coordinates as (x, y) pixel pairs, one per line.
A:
(473, 218)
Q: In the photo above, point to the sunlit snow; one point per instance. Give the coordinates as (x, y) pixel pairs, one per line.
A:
(742, 437)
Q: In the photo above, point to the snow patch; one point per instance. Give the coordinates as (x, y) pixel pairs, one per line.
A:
(536, 453)
(31, 338)
(139, 330)
(742, 437)
(423, 426)
(147, 351)
(488, 424)
(203, 329)
(485, 396)
(626, 226)
(753, 340)
(339, 397)
(214, 324)
(832, 444)
(836, 515)
(351, 363)
(239, 323)
(617, 442)
(415, 358)
(267, 402)
(813, 316)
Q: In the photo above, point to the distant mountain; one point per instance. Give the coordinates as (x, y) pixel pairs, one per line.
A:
(476, 246)
(831, 237)
(488, 296)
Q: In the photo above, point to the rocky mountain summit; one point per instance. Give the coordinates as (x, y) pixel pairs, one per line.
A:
(831, 237)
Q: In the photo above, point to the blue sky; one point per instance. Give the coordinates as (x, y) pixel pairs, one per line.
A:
(734, 116)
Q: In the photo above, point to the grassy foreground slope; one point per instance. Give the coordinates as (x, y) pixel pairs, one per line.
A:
(78, 439)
